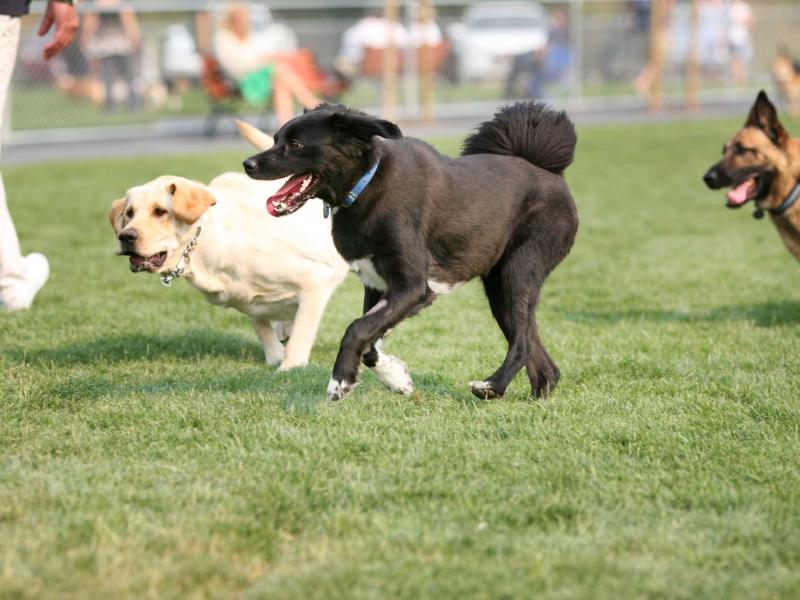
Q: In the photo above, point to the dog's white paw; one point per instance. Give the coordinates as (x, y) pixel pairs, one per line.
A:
(394, 374)
(339, 389)
(292, 364)
(274, 356)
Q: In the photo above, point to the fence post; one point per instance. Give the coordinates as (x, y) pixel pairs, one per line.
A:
(658, 42)
(410, 66)
(390, 62)
(693, 59)
(576, 34)
(426, 61)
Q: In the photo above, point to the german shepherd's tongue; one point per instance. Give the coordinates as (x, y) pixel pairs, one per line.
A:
(741, 193)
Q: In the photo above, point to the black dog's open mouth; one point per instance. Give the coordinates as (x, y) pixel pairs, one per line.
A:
(146, 263)
(752, 188)
(292, 195)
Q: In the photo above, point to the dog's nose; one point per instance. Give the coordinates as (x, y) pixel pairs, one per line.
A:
(250, 166)
(710, 178)
(128, 236)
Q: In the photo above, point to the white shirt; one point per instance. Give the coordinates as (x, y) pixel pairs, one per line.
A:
(740, 15)
(421, 34)
(371, 32)
(238, 57)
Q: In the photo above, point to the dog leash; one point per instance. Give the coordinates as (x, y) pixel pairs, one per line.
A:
(785, 205)
(168, 277)
(358, 188)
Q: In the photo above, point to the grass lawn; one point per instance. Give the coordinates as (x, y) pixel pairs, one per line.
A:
(146, 451)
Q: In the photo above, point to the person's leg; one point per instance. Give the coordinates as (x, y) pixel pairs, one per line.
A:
(20, 277)
(125, 68)
(285, 74)
(108, 74)
(282, 101)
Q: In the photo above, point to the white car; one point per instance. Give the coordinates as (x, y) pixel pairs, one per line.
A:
(491, 33)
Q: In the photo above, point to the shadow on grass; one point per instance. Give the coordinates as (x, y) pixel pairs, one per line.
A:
(192, 344)
(767, 314)
(298, 390)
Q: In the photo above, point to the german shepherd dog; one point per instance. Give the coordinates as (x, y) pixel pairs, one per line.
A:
(762, 163)
(414, 224)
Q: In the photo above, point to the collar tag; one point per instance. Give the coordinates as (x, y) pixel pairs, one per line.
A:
(326, 210)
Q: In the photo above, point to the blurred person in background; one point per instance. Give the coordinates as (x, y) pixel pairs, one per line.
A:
(547, 65)
(111, 36)
(371, 31)
(740, 46)
(424, 33)
(260, 74)
(558, 57)
(181, 63)
(643, 84)
(713, 36)
(21, 277)
(641, 11)
(72, 74)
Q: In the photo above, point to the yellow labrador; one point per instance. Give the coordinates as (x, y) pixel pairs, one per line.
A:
(222, 240)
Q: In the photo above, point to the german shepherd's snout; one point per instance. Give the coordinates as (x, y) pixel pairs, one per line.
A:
(716, 178)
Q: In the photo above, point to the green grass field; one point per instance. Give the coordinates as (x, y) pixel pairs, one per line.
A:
(146, 451)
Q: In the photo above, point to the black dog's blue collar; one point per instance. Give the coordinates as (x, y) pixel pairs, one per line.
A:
(359, 187)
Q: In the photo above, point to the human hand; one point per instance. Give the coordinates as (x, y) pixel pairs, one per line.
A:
(65, 18)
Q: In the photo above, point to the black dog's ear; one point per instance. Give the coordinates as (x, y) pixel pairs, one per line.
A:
(364, 127)
(764, 116)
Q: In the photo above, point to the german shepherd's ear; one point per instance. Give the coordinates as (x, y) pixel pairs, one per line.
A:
(115, 214)
(364, 127)
(189, 201)
(764, 116)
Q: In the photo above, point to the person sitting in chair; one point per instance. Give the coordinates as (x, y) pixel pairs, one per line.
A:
(259, 74)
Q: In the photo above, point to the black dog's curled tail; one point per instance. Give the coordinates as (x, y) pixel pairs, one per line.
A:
(531, 130)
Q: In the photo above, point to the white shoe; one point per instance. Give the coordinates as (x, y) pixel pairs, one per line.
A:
(20, 294)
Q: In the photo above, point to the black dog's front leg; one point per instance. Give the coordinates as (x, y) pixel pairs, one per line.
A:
(389, 310)
(371, 298)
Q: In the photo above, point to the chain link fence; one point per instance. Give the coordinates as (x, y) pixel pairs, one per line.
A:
(145, 70)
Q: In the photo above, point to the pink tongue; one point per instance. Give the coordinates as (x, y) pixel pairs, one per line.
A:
(289, 187)
(738, 195)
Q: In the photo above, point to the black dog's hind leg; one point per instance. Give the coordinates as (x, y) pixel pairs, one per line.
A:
(363, 333)
(542, 371)
(510, 304)
(513, 290)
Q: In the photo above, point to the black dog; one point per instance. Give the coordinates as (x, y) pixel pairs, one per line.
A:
(414, 224)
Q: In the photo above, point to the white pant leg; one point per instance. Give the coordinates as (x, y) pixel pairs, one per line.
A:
(11, 265)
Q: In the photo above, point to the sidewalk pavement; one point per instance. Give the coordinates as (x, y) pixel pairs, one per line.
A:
(24, 153)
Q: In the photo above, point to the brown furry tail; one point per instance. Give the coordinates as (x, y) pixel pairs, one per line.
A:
(530, 130)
